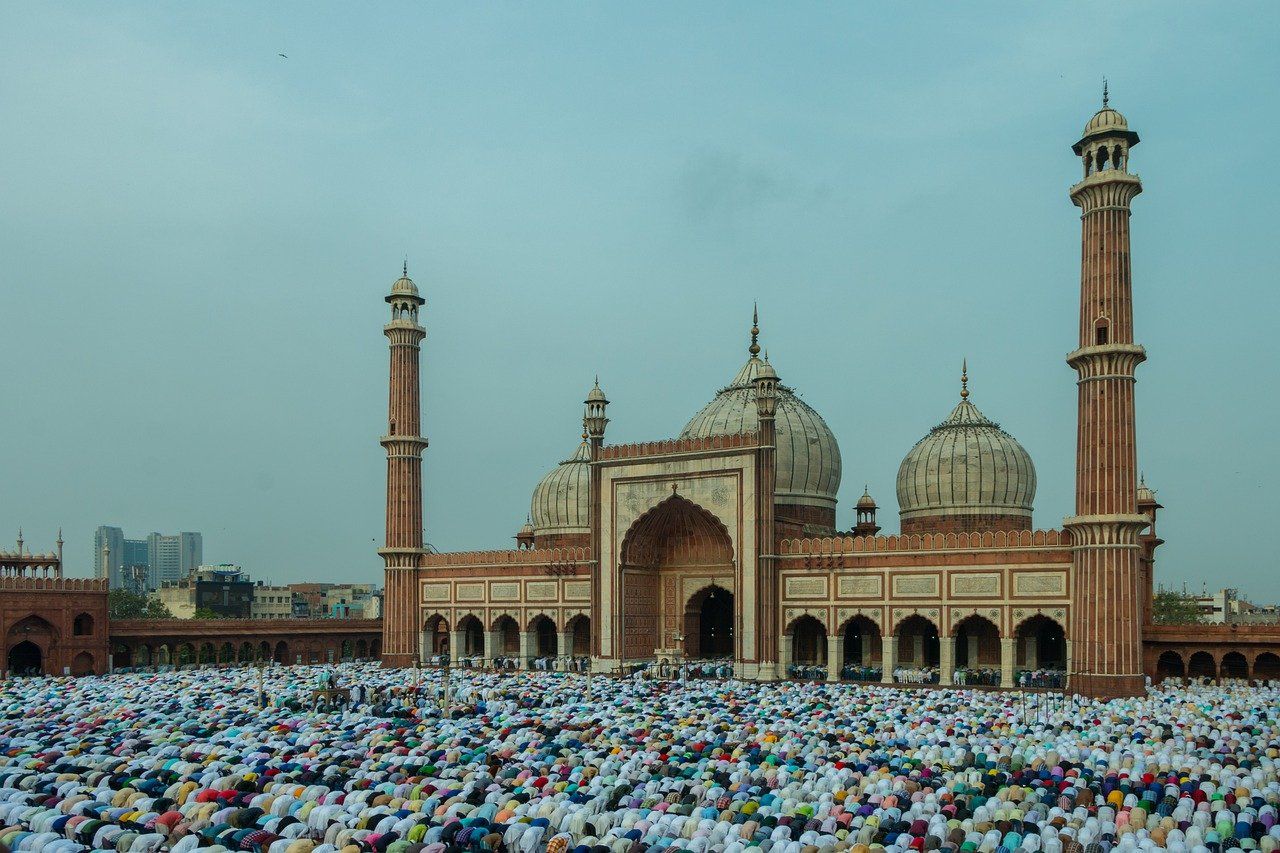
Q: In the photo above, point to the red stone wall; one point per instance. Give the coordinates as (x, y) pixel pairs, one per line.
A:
(562, 540)
(817, 519)
(977, 523)
(44, 612)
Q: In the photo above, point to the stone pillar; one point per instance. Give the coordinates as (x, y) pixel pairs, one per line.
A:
(946, 659)
(784, 656)
(974, 651)
(1032, 652)
(888, 657)
(917, 649)
(528, 642)
(835, 657)
(1008, 649)
(456, 640)
(564, 645)
(493, 644)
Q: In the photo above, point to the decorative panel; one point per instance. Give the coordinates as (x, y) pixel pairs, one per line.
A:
(540, 591)
(505, 591)
(806, 587)
(915, 585)
(470, 592)
(435, 592)
(861, 586)
(1040, 583)
(577, 590)
(984, 585)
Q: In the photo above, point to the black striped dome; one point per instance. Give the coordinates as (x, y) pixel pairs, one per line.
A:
(808, 457)
(966, 465)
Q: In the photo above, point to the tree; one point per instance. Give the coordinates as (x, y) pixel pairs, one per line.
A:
(206, 613)
(1171, 607)
(123, 604)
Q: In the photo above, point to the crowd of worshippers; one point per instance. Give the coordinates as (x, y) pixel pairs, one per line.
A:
(191, 761)
(511, 663)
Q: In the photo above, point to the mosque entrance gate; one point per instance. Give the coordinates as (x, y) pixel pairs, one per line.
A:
(679, 535)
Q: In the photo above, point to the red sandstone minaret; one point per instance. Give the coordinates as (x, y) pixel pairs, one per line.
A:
(1106, 625)
(404, 446)
(768, 614)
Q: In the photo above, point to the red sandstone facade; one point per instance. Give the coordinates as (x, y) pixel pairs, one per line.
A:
(722, 543)
(49, 623)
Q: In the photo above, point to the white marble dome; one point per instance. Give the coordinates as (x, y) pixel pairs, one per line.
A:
(966, 465)
(808, 457)
(561, 501)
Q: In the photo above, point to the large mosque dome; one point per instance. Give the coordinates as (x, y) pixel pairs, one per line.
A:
(966, 474)
(561, 501)
(808, 457)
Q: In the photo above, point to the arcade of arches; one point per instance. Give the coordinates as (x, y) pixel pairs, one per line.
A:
(1218, 664)
(974, 643)
(540, 637)
(145, 643)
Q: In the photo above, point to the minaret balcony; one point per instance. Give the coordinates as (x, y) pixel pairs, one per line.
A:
(1107, 361)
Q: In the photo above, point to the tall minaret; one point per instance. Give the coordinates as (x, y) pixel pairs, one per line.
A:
(594, 421)
(404, 445)
(1106, 623)
(768, 599)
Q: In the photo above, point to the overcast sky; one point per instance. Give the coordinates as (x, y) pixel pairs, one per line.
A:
(196, 235)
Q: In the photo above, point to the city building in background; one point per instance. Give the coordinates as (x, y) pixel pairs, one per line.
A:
(173, 558)
(142, 565)
(122, 554)
(336, 601)
(271, 602)
(1226, 607)
(225, 591)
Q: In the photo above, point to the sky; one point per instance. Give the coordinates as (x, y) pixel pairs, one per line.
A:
(196, 235)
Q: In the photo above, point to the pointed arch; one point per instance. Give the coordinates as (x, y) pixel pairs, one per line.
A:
(1170, 665)
(676, 533)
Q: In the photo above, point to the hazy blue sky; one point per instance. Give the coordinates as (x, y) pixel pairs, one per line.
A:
(196, 235)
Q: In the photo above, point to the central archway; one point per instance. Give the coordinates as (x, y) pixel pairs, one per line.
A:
(25, 658)
(674, 545)
(708, 624)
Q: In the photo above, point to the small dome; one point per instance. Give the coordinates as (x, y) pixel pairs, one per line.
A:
(966, 465)
(404, 286)
(595, 395)
(866, 501)
(1146, 495)
(561, 501)
(526, 529)
(1107, 123)
(808, 457)
(1105, 120)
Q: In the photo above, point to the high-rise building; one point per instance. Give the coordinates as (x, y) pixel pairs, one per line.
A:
(109, 563)
(142, 565)
(173, 558)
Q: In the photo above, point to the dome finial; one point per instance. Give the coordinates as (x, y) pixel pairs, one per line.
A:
(1106, 94)
(964, 379)
(754, 349)
(404, 270)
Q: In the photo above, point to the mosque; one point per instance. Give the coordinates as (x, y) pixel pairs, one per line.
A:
(722, 541)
